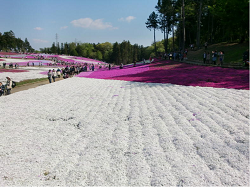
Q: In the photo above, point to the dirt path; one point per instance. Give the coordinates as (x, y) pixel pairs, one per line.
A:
(31, 85)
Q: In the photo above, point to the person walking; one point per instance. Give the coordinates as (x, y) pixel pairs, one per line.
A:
(50, 76)
(8, 85)
(208, 57)
(214, 57)
(1, 89)
(54, 75)
(205, 45)
(58, 72)
(221, 55)
(204, 57)
(246, 57)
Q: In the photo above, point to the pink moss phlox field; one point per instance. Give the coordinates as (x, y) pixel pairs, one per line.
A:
(178, 73)
(115, 72)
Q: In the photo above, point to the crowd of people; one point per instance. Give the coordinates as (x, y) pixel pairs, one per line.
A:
(176, 55)
(72, 70)
(216, 58)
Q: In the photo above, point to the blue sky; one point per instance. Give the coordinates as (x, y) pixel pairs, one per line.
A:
(90, 21)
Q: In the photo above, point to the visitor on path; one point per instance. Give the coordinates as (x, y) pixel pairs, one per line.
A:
(246, 57)
(65, 76)
(214, 57)
(204, 57)
(186, 51)
(205, 45)
(135, 63)
(121, 66)
(192, 47)
(109, 66)
(50, 76)
(93, 67)
(2, 87)
(54, 75)
(170, 56)
(85, 68)
(4, 64)
(165, 56)
(185, 56)
(58, 72)
(8, 85)
(221, 58)
(208, 58)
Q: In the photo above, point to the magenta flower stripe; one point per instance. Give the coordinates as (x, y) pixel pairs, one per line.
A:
(178, 73)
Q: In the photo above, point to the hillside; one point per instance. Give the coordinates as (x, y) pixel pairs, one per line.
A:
(233, 52)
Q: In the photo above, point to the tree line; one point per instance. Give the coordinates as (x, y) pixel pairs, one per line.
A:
(115, 53)
(8, 42)
(200, 21)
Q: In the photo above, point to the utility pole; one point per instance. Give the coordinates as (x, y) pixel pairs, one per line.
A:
(57, 42)
(56, 38)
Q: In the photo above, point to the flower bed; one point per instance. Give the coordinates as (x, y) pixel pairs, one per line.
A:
(180, 74)
(95, 132)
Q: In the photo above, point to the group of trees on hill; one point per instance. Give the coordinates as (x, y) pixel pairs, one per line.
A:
(115, 53)
(200, 21)
(188, 22)
(8, 42)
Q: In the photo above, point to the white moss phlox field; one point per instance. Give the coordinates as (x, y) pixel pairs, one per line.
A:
(95, 132)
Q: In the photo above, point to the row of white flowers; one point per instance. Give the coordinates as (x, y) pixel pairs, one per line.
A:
(82, 131)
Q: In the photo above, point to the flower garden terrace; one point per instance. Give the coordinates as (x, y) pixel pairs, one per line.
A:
(167, 71)
(131, 130)
(160, 71)
(46, 60)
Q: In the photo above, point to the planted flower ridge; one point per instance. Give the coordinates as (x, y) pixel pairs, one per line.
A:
(178, 73)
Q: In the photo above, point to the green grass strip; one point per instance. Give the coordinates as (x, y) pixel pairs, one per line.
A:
(30, 81)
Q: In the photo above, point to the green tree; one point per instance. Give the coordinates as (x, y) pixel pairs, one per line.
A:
(19, 45)
(99, 55)
(53, 48)
(152, 23)
(79, 49)
(73, 52)
(103, 48)
(116, 54)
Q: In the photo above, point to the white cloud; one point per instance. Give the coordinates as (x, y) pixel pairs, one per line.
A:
(64, 27)
(92, 24)
(40, 41)
(127, 19)
(38, 28)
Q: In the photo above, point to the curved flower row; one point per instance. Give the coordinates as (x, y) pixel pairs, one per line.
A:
(178, 73)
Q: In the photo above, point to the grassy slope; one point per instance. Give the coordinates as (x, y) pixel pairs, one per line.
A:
(233, 52)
